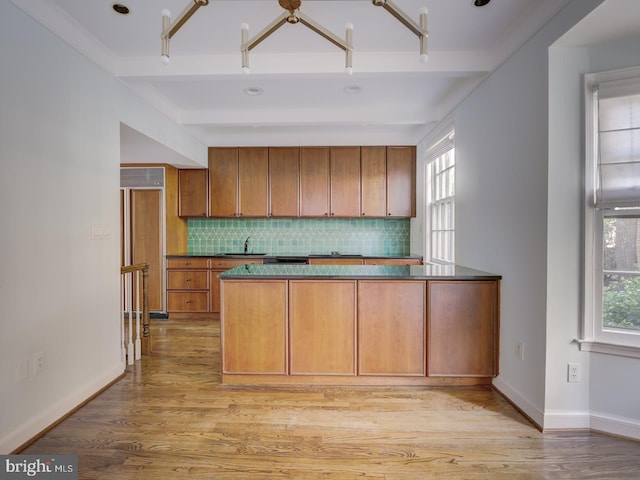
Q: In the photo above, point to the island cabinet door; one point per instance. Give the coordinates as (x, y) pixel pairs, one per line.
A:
(253, 326)
(322, 319)
(463, 328)
(391, 327)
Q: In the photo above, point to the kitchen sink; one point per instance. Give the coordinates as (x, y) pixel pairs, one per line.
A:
(242, 254)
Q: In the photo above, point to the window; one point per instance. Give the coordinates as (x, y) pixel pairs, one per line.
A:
(440, 190)
(612, 213)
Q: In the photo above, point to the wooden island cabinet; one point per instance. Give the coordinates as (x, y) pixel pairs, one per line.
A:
(255, 334)
(322, 327)
(360, 325)
(391, 327)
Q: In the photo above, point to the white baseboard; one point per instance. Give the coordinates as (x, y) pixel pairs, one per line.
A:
(568, 420)
(613, 425)
(534, 413)
(44, 419)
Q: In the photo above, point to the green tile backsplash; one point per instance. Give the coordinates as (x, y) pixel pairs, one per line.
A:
(300, 236)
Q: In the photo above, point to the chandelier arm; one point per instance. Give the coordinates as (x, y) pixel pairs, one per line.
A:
(323, 32)
(170, 30)
(268, 30)
(394, 10)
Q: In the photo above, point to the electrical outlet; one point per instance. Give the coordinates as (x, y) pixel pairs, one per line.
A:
(38, 362)
(520, 350)
(22, 370)
(573, 372)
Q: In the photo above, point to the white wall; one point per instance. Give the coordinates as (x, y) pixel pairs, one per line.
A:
(519, 156)
(503, 200)
(614, 381)
(59, 174)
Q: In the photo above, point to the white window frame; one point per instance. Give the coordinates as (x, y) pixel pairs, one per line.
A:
(443, 250)
(595, 337)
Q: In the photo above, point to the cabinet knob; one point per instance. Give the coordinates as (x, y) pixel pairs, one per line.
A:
(363, 214)
(187, 301)
(187, 279)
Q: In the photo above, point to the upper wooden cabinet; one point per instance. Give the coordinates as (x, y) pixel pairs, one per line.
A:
(193, 185)
(238, 181)
(253, 174)
(223, 182)
(374, 181)
(345, 182)
(284, 181)
(314, 181)
(401, 181)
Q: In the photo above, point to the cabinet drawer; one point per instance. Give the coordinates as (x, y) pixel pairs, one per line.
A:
(392, 261)
(335, 261)
(187, 262)
(188, 279)
(188, 301)
(227, 263)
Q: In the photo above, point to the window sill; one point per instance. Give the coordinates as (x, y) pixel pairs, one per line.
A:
(609, 348)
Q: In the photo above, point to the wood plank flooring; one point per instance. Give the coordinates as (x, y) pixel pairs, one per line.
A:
(170, 418)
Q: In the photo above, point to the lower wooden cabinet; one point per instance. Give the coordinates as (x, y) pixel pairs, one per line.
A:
(254, 333)
(188, 285)
(193, 286)
(391, 328)
(219, 265)
(463, 326)
(393, 261)
(360, 332)
(322, 327)
(335, 261)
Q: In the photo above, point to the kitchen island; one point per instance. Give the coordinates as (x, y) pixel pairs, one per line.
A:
(359, 325)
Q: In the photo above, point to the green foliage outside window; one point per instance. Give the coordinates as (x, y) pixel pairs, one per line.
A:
(621, 304)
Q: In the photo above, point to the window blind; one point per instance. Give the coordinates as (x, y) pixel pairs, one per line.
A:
(618, 144)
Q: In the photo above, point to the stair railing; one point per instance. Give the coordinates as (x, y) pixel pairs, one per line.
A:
(130, 278)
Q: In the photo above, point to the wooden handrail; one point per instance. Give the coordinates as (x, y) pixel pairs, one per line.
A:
(145, 340)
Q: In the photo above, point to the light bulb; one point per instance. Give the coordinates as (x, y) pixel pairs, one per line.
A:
(348, 70)
(165, 59)
(424, 57)
(246, 70)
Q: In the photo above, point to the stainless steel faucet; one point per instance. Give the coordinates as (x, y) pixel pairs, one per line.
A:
(246, 245)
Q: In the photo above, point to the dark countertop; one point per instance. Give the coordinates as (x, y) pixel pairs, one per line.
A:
(301, 255)
(388, 272)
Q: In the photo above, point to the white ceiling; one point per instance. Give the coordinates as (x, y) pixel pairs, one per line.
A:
(301, 74)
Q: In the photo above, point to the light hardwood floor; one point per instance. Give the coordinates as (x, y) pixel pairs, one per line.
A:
(170, 418)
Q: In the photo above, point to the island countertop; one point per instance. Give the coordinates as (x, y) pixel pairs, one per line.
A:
(382, 272)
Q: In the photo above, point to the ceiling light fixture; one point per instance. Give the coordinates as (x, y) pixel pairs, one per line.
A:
(170, 29)
(253, 91)
(294, 16)
(419, 30)
(120, 8)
